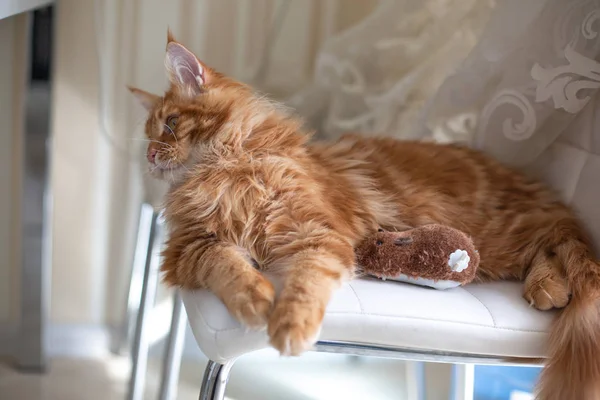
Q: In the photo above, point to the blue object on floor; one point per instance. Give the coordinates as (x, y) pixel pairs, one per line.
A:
(496, 383)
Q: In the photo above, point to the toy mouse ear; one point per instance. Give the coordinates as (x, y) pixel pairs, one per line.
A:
(403, 241)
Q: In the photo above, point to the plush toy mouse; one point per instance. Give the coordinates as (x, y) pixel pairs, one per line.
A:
(432, 255)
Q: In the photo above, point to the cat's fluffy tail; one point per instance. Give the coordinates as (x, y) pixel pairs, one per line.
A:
(573, 367)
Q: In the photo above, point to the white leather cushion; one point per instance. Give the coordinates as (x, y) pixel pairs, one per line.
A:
(486, 319)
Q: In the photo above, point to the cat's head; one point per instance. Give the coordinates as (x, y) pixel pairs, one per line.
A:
(202, 112)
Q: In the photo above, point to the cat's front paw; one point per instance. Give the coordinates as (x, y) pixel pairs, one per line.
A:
(252, 303)
(294, 326)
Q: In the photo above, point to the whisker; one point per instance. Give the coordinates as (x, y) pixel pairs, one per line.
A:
(169, 128)
(153, 141)
(172, 133)
(140, 139)
(150, 140)
(186, 168)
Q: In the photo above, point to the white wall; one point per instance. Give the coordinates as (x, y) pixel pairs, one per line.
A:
(13, 69)
(97, 180)
(77, 284)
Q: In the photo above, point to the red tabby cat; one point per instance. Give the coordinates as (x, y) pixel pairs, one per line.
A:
(247, 187)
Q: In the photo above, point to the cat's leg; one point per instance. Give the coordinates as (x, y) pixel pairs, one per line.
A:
(227, 271)
(546, 286)
(247, 294)
(312, 274)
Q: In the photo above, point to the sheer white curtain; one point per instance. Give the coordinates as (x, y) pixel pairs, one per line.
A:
(506, 76)
(377, 76)
(517, 79)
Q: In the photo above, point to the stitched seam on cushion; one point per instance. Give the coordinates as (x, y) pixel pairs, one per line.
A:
(210, 328)
(437, 320)
(217, 345)
(216, 330)
(362, 310)
(577, 147)
(376, 315)
(418, 319)
(583, 164)
(571, 191)
(486, 307)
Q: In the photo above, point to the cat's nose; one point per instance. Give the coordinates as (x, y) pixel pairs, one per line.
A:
(151, 156)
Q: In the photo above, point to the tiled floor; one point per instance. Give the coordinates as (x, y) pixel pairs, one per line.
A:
(263, 376)
(65, 380)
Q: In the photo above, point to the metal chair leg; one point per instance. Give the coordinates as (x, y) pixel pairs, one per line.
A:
(437, 381)
(173, 351)
(448, 381)
(415, 380)
(463, 382)
(215, 380)
(146, 301)
(124, 339)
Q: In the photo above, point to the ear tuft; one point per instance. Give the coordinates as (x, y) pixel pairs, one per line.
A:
(147, 100)
(170, 36)
(183, 68)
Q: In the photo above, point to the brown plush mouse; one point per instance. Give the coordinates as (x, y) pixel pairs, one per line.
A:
(432, 255)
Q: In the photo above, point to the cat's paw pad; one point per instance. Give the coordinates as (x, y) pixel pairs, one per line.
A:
(252, 305)
(294, 327)
(551, 292)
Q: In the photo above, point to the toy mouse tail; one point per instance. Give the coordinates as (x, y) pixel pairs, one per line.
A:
(573, 366)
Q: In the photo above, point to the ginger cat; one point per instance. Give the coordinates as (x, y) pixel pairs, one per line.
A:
(250, 194)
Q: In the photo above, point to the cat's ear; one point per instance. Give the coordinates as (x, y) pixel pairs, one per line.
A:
(147, 100)
(183, 67)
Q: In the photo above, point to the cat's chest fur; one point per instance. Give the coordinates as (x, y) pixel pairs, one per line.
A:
(236, 202)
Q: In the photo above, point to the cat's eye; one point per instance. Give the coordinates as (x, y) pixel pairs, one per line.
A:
(172, 123)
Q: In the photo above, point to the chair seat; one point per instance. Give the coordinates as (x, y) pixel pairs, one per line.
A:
(490, 319)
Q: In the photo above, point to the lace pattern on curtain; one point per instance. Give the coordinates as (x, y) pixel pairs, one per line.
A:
(506, 78)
